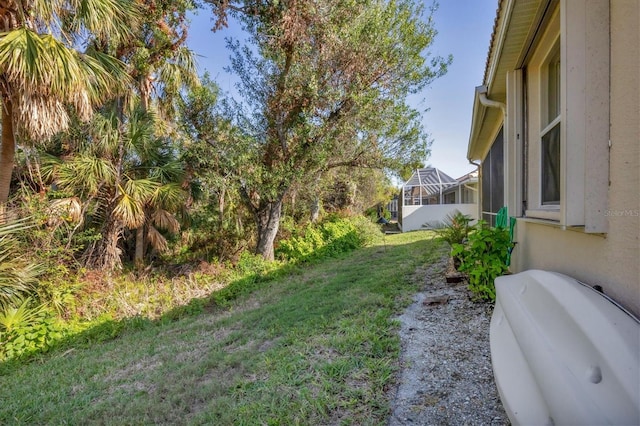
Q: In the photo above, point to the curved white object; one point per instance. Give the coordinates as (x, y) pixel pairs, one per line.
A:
(562, 353)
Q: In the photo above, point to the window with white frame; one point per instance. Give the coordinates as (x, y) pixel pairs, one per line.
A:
(559, 101)
(550, 132)
(544, 98)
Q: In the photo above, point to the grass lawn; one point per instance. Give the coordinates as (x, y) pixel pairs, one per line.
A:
(318, 346)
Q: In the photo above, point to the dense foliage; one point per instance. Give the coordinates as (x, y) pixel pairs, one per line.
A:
(324, 86)
(36, 315)
(135, 186)
(332, 236)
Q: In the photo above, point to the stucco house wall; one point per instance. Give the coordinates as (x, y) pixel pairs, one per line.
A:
(415, 217)
(430, 195)
(595, 235)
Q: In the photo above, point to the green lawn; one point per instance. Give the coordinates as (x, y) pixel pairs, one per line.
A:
(318, 346)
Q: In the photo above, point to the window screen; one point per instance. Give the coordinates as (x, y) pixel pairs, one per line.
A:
(493, 180)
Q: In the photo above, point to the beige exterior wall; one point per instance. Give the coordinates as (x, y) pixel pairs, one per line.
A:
(611, 260)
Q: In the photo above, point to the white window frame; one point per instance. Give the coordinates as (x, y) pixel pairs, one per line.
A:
(539, 121)
(550, 121)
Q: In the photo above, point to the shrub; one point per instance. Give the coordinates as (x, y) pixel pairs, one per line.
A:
(484, 258)
(331, 237)
(18, 275)
(253, 264)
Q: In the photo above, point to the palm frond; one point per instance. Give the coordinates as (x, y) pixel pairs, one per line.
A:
(105, 19)
(106, 138)
(12, 228)
(142, 190)
(168, 171)
(22, 315)
(140, 134)
(86, 173)
(31, 60)
(106, 75)
(157, 240)
(165, 220)
(18, 277)
(130, 211)
(170, 195)
(179, 72)
(45, 75)
(67, 209)
(49, 165)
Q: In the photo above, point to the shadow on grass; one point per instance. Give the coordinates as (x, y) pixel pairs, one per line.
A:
(107, 330)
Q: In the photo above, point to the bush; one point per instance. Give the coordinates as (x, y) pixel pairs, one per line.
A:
(484, 258)
(331, 237)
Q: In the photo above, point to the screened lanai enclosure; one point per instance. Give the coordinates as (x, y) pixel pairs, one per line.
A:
(430, 195)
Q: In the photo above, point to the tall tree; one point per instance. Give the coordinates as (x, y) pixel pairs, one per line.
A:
(161, 66)
(326, 87)
(214, 153)
(42, 73)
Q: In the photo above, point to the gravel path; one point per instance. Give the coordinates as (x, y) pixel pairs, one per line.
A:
(446, 376)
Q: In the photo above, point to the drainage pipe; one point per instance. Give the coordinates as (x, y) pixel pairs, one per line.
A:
(482, 97)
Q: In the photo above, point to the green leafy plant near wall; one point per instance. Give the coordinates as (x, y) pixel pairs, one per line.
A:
(484, 258)
(454, 229)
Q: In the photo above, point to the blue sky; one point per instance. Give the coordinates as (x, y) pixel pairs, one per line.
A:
(464, 30)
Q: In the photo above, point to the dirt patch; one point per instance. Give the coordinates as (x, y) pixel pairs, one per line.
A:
(446, 376)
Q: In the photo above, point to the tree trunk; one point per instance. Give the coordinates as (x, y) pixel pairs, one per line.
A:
(315, 209)
(315, 204)
(7, 154)
(105, 253)
(139, 256)
(221, 205)
(111, 254)
(268, 217)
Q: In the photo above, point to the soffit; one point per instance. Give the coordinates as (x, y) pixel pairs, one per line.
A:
(514, 31)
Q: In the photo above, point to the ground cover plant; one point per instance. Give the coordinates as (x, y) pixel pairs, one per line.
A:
(317, 345)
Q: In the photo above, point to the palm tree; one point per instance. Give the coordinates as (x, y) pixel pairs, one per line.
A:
(161, 66)
(42, 73)
(127, 178)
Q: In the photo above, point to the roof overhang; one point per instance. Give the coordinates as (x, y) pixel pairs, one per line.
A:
(514, 33)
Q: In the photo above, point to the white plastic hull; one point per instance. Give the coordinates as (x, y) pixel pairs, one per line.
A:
(562, 353)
